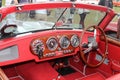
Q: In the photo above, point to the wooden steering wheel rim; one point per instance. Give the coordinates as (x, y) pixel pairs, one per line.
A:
(106, 47)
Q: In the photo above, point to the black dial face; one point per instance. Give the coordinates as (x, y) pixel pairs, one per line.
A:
(52, 43)
(8, 29)
(64, 42)
(37, 47)
(75, 41)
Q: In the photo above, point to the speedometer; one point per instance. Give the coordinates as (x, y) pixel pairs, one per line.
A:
(75, 41)
(64, 42)
(52, 43)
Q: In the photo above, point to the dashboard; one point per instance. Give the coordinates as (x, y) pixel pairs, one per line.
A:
(55, 45)
(39, 46)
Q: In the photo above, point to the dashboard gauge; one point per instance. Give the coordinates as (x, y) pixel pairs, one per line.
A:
(75, 41)
(52, 43)
(37, 47)
(64, 42)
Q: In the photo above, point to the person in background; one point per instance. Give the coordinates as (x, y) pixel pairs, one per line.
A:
(72, 11)
(22, 15)
(10, 2)
(108, 3)
(0, 3)
(22, 1)
(82, 13)
(11, 17)
(40, 14)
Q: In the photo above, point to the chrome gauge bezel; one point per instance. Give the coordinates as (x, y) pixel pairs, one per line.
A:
(75, 41)
(37, 45)
(64, 42)
(52, 43)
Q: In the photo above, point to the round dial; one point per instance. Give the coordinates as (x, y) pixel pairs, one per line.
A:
(37, 46)
(52, 43)
(64, 42)
(75, 41)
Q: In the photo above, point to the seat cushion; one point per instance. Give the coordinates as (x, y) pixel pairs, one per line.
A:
(95, 76)
(114, 77)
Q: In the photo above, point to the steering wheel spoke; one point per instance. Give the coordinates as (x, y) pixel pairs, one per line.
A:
(87, 50)
(99, 52)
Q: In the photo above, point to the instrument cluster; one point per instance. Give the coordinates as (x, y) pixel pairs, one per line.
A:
(54, 45)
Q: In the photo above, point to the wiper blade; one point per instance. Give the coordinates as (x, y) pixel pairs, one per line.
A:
(33, 31)
(59, 17)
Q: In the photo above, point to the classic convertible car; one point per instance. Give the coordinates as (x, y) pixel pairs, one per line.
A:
(49, 41)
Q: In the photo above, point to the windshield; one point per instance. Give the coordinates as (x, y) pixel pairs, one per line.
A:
(44, 19)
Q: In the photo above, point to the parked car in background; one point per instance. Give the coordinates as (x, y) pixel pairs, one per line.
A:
(116, 2)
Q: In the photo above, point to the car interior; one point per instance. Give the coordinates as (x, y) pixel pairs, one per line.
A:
(59, 52)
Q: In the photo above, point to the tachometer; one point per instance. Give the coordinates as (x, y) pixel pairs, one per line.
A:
(64, 42)
(52, 43)
(37, 47)
(75, 41)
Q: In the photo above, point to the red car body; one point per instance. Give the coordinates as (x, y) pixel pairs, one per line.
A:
(22, 63)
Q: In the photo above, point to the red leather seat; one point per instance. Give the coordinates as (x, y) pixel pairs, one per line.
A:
(99, 76)
(114, 77)
(95, 76)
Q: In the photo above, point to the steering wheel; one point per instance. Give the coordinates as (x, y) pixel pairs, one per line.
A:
(93, 47)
